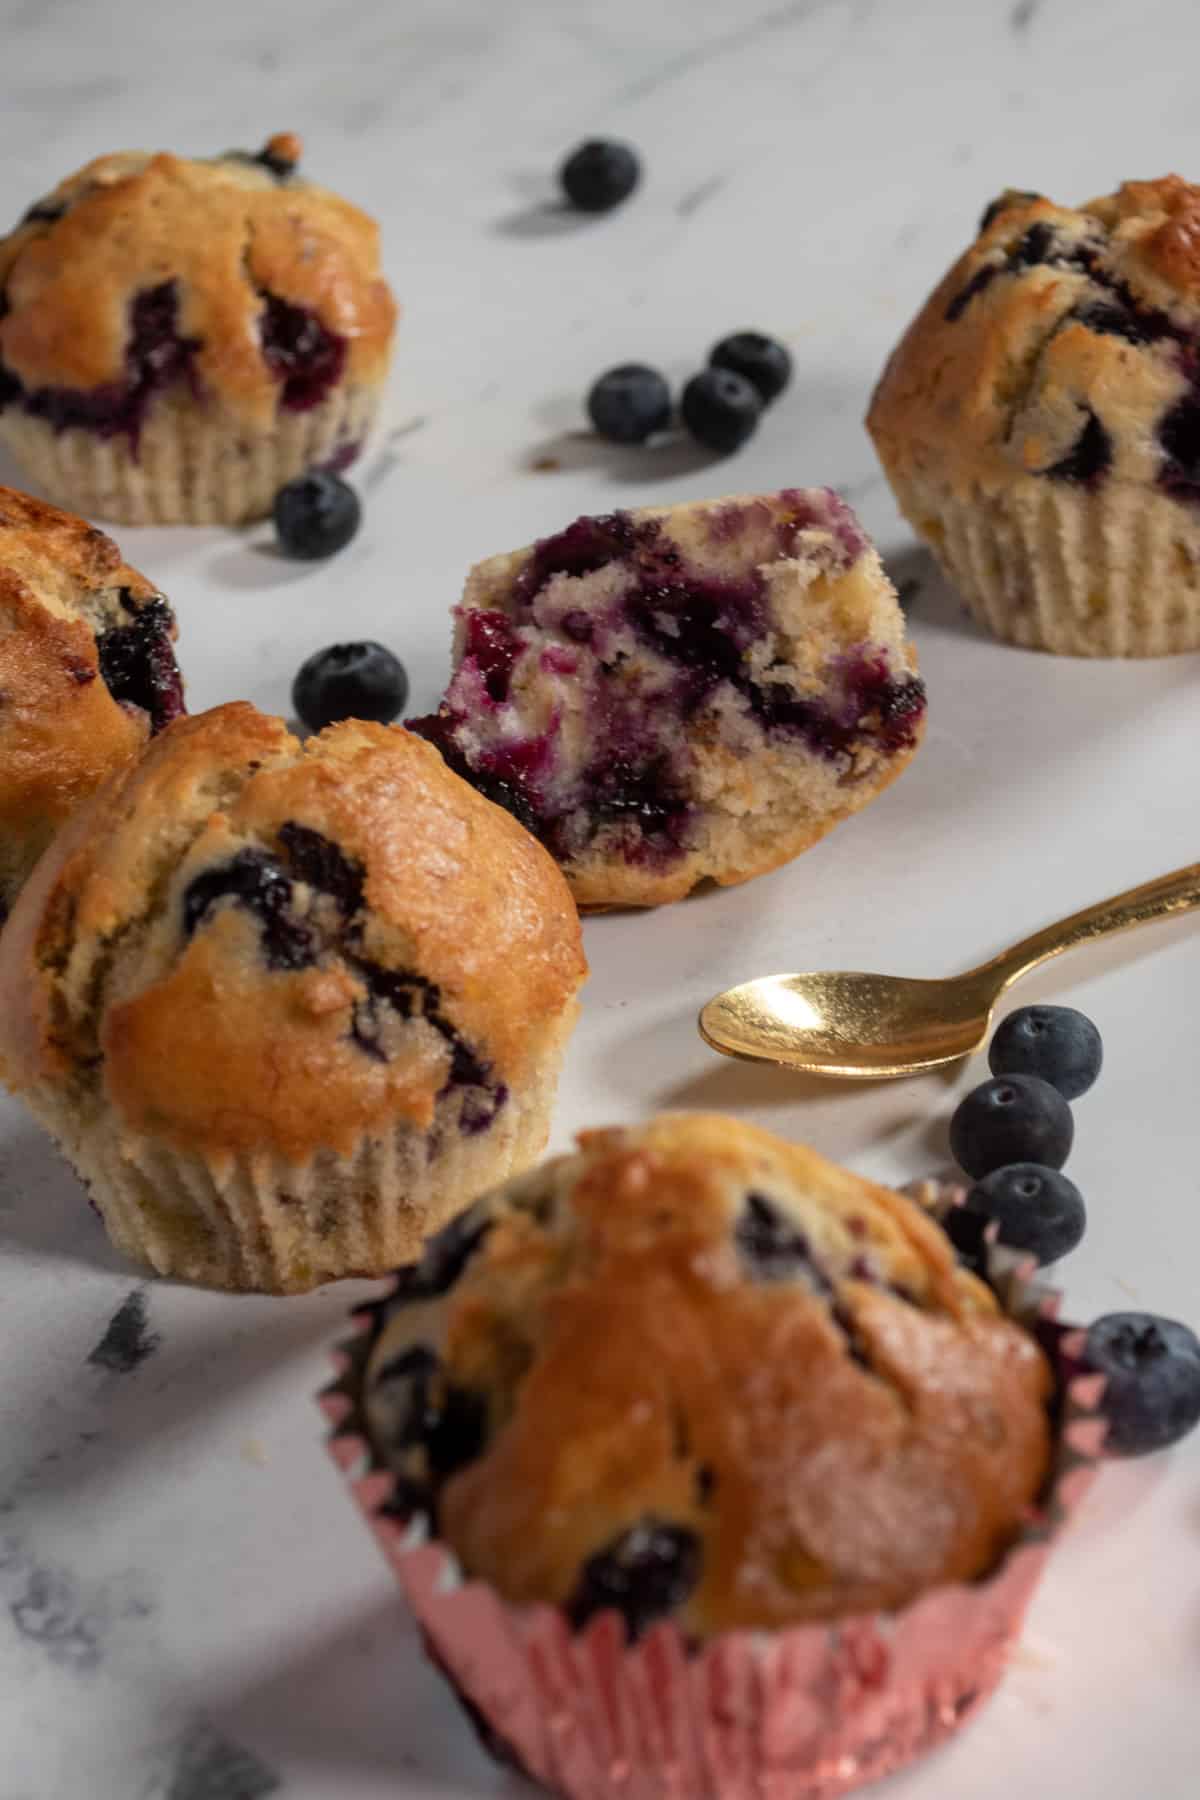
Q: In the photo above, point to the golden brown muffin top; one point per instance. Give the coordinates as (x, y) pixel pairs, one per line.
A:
(251, 944)
(86, 672)
(1061, 344)
(219, 247)
(694, 1370)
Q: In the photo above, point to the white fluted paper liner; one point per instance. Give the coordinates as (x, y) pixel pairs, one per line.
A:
(1051, 566)
(193, 465)
(800, 1714)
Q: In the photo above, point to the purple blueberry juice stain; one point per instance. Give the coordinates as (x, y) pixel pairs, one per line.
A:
(265, 884)
(128, 1339)
(492, 647)
(645, 1573)
(342, 457)
(137, 661)
(1089, 458)
(306, 358)
(156, 358)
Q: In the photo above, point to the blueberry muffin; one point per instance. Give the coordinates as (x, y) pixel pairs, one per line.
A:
(1040, 422)
(179, 338)
(694, 1372)
(87, 673)
(287, 1007)
(682, 694)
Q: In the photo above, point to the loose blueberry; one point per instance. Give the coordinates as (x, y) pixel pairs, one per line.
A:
(1152, 1380)
(1037, 1209)
(648, 1571)
(761, 360)
(1057, 1043)
(316, 515)
(349, 681)
(721, 409)
(1011, 1119)
(599, 175)
(630, 403)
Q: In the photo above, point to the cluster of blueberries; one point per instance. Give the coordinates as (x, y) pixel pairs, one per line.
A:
(720, 406)
(1012, 1135)
(317, 514)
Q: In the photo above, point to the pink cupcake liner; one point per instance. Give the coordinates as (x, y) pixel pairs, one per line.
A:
(803, 1713)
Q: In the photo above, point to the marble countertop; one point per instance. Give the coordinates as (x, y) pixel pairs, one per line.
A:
(189, 1607)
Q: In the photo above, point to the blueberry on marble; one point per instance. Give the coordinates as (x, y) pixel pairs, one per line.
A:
(1056, 1042)
(254, 880)
(1037, 1209)
(316, 515)
(1152, 1380)
(721, 409)
(599, 175)
(646, 1572)
(1012, 1118)
(350, 681)
(762, 360)
(137, 661)
(629, 404)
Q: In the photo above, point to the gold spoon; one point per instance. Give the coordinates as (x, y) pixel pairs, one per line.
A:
(867, 1027)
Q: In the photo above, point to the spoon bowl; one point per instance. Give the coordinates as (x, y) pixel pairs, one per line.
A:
(849, 1024)
(873, 1027)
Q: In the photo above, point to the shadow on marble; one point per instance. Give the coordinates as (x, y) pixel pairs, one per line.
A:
(569, 452)
(44, 1210)
(548, 218)
(926, 595)
(359, 1698)
(258, 563)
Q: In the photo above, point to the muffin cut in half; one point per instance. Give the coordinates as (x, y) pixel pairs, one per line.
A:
(1039, 421)
(685, 693)
(180, 337)
(288, 1007)
(87, 673)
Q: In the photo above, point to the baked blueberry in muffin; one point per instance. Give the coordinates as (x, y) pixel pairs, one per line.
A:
(179, 338)
(685, 693)
(87, 673)
(288, 1007)
(1040, 421)
(693, 1372)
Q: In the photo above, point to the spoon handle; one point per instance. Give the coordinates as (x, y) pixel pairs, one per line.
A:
(1174, 893)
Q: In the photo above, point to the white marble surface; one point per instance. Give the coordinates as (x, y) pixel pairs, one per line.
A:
(179, 1572)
